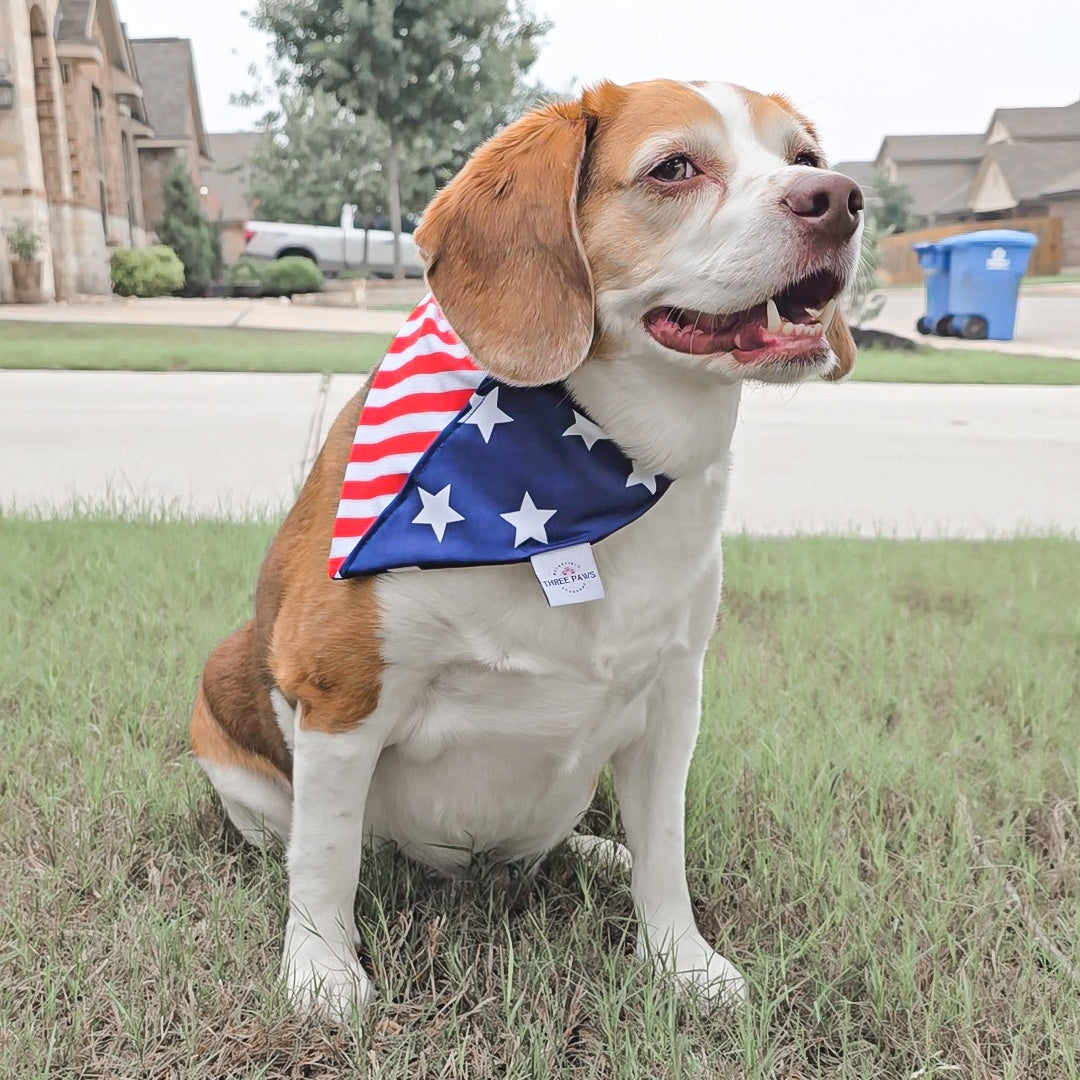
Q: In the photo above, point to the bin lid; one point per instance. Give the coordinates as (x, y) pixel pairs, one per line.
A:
(996, 237)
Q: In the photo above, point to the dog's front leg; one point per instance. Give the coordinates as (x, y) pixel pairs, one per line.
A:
(650, 780)
(331, 776)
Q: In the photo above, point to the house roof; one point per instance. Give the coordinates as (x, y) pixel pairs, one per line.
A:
(171, 88)
(862, 172)
(901, 148)
(931, 182)
(71, 20)
(227, 180)
(1068, 185)
(1052, 122)
(1032, 169)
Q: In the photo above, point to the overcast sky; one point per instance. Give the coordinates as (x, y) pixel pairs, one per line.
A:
(860, 70)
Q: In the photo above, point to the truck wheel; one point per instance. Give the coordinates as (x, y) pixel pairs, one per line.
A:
(303, 253)
(974, 328)
(924, 326)
(943, 327)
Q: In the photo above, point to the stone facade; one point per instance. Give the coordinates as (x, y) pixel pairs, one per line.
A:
(71, 147)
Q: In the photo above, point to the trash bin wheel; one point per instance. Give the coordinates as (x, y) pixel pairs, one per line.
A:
(924, 325)
(943, 327)
(974, 328)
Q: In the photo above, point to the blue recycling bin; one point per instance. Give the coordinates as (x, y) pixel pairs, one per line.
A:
(973, 283)
(985, 269)
(934, 261)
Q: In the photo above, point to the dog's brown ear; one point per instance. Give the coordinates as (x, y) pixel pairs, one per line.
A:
(503, 255)
(843, 347)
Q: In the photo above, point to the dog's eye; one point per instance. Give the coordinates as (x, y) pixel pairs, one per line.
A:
(674, 169)
(807, 157)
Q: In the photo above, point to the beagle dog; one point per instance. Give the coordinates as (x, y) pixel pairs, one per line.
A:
(649, 247)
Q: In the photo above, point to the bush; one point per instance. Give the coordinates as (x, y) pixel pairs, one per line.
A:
(155, 271)
(293, 274)
(243, 272)
(185, 228)
(23, 242)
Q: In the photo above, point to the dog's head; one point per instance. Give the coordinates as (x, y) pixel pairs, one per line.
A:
(695, 224)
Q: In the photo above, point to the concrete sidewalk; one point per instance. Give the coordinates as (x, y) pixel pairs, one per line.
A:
(265, 314)
(858, 459)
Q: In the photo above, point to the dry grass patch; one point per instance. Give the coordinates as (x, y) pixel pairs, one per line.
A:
(890, 747)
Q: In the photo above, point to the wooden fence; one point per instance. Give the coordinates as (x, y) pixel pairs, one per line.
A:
(900, 267)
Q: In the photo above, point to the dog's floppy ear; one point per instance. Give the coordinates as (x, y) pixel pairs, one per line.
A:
(503, 255)
(843, 347)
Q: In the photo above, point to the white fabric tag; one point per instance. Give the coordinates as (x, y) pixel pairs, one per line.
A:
(568, 575)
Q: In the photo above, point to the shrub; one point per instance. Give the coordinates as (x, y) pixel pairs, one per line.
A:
(293, 274)
(242, 272)
(22, 241)
(185, 228)
(155, 271)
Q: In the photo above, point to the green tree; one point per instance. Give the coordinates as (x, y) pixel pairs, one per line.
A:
(891, 205)
(313, 157)
(434, 78)
(185, 228)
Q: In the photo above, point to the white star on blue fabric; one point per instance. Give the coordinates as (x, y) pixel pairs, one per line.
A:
(590, 433)
(485, 413)
(641, 475)
(437, 511)
(528, 522)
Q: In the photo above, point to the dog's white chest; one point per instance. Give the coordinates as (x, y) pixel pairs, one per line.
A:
(505, 709)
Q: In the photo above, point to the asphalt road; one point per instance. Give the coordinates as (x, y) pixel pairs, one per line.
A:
(858, 458)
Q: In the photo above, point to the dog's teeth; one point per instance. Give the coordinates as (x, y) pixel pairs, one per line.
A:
(738, 342)
(787, 328)
(827, 313)
(773, 314)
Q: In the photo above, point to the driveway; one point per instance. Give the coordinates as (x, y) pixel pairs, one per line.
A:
(858, 459)
(1047, 321)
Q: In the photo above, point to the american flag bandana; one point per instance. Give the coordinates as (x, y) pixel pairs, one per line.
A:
(450, 467)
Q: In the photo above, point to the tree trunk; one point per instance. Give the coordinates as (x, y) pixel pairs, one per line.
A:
(393, 184)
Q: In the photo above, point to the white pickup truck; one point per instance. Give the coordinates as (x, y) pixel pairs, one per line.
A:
(334, 250)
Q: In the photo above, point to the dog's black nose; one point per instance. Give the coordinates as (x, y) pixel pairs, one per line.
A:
(827, 202)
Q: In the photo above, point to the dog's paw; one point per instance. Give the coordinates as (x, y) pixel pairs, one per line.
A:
(697, 968)
(323, 978)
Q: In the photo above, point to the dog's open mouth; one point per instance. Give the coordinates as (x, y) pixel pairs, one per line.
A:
(789, 326)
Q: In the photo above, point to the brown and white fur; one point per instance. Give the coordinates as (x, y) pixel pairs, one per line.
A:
(454, 711)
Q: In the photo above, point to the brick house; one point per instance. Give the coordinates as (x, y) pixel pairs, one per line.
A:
(171, 92)
(72, 143)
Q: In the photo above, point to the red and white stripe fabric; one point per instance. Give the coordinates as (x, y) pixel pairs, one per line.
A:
(426, 378)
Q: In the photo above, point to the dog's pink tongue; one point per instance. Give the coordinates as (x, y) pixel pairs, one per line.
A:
(689, 339)
(703, 336)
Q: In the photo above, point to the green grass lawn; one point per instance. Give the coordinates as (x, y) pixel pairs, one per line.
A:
(172, 348)
(964, 366)
(889, 745)
(78, 346)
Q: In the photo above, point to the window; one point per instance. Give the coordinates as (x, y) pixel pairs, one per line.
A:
(125, 147)
(99, 151)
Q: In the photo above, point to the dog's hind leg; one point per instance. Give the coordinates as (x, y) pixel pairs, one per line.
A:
(238, 742)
